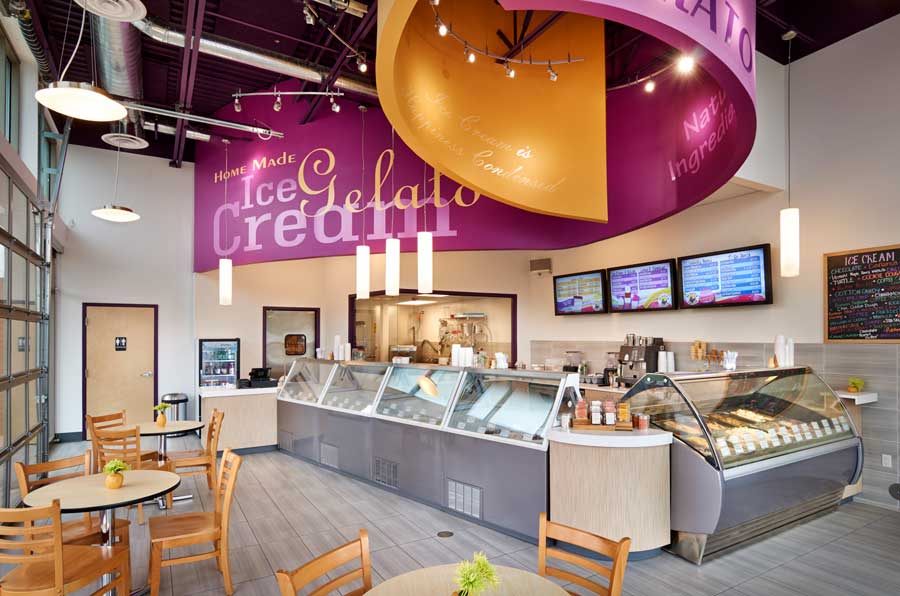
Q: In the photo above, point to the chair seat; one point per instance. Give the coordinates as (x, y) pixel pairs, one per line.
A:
(200, 526)
(189, 459)
(78, 530)
(176, 455)
(149, 454)
(81, 566)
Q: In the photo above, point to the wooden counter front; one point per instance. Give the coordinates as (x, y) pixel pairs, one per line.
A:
(251, 416)
(614, 484)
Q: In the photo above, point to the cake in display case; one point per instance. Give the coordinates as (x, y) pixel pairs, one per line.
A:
(743, 439)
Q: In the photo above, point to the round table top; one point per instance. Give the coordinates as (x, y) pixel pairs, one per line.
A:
(172, 427)
(439, 581)
(88, 493)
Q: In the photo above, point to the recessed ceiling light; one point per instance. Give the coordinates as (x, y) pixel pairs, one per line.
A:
(116, 214)
(416, 302)
(80, 100)
(431, 295)
(650, 86)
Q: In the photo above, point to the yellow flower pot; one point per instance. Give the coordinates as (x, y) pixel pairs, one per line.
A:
(114, 481)
(160, 419)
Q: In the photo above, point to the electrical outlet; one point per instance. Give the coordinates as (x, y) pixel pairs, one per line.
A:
(887, 460)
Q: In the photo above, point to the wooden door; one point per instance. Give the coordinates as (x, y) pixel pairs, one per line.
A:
(120, 360)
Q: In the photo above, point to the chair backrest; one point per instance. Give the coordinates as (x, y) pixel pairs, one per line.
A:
(290, 582)
(102, 422)
(33, 535)
(28, 484)
(123, 444)
(213, 431)
(224, 489)
(617, 552)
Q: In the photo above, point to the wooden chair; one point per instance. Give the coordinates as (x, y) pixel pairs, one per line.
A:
(46, 567)
(125, 444)
(186, 529)
(290, 582)
(204, 461)
(616, 551)
(85, 530)
(115, 421)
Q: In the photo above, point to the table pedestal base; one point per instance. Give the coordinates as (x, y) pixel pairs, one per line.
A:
(161, 449)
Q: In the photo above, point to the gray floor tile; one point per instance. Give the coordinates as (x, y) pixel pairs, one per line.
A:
(377, 539)
(392, 561)
(430, 553)
(399, 529)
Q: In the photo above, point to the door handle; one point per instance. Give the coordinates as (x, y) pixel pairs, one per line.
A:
(149, 373)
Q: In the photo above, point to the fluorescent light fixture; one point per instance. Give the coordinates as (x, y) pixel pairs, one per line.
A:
(362, 272)
(432, 295)
(225, 282)
(790, 242)
(116, 214)
(425, 262)
(416, 302)
(392, 267)
(80, 100)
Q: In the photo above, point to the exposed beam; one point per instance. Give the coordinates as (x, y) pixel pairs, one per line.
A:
(325, 40)
(365, 25)
(527, 40)
(193, 29)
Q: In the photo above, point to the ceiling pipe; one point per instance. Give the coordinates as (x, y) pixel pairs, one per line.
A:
(119, 64)
(213, 45)
(168, 129)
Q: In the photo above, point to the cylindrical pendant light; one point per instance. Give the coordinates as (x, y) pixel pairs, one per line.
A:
(362, 272)
(392, 267)
(426, 263)
(225, 282)
(790, 242)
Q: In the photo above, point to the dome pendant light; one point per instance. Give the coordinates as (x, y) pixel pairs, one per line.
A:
(84, 101)
(363, 253)
(116, 213)
(225, 281)
(789, 221)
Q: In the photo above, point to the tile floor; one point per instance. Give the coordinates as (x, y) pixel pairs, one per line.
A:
(288, 511)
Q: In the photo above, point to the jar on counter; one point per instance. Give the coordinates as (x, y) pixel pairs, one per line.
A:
(624, 411)
(643, 422)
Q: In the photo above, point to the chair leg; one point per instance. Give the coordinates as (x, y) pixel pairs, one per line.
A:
(169, 501)
(226, 570)
(125, 577)
(218, 546)
(210, 472)
(140, 514)
(155, 568)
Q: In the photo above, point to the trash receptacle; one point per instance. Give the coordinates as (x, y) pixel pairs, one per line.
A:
(179, 402)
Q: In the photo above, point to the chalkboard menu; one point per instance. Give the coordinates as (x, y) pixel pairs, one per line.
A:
(862, 295)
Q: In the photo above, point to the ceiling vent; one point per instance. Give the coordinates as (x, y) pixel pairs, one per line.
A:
(126, 11)
(126, 141)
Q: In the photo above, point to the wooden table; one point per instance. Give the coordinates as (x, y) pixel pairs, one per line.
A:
(439, 581)
(162, 433)
(88, 493)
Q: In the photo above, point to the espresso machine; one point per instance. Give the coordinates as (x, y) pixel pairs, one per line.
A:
(637, 357)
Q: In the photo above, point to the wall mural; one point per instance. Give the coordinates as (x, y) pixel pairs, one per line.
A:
(303, 196)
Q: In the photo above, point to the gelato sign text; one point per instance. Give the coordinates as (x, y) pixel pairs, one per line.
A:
(315, 186)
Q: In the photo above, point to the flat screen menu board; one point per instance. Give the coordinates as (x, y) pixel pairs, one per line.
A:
(726, 278)
(642, 287)
(862, 295)
(579, 293)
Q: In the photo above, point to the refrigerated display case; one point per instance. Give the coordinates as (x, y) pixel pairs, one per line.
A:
(220, 363)
(420, 393)
(306, 380)
(355, 386)
(754, 451)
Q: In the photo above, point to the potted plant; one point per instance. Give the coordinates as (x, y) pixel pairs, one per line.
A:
(113, 470)
(161, 413)
(855, 385)
(476, 576)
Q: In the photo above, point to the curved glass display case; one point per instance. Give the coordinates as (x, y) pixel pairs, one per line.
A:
(306, 380)
(419, 393)
(354, 386)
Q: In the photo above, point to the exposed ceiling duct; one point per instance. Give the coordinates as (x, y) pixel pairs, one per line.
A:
(118, 57)
(252, 56)
(168, 129)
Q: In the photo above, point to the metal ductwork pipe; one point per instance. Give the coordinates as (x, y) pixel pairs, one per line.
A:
(168, 129)
(119, 66)
(20, 12)
(252, 56)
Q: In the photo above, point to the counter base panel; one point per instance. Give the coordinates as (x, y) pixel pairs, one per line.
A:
(420, 463)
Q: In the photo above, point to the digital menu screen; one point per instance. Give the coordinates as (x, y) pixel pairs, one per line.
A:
(648, 286)
(727, 278)
(579, 293)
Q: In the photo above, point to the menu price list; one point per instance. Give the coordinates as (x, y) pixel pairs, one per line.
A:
(581, 293)
(863, 290)
(644, 287)
(724, 278)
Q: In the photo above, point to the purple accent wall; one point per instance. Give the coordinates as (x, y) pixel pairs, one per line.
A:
(666, 151)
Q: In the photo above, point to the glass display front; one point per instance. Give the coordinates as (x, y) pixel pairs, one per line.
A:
(511, 407)
(748, 416)
(355, 386)
(306, 379)
(420, 394)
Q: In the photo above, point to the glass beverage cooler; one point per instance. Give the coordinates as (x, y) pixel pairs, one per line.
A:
(220, 363)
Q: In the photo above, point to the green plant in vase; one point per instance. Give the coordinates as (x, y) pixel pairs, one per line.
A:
(161, 413)
(855, 384)
(113, 470)
(476, 576)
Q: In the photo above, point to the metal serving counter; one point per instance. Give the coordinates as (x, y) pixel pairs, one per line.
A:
(754, 451)
(471, 441)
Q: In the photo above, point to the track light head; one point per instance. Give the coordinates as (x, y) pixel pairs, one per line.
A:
(309, 16)
(434, 2)
(361, 65)
(685, 64)
(552, 73)
(277, 106)
(650, 86)
(237, 104)
(335, 107)
(442, 29)
(510, 71)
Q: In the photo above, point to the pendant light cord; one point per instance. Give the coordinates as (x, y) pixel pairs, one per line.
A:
(362, 176)
(789, 124)
(227, 176)
(393, 189)
(62, 75)
(116, 182)
(425, 193)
